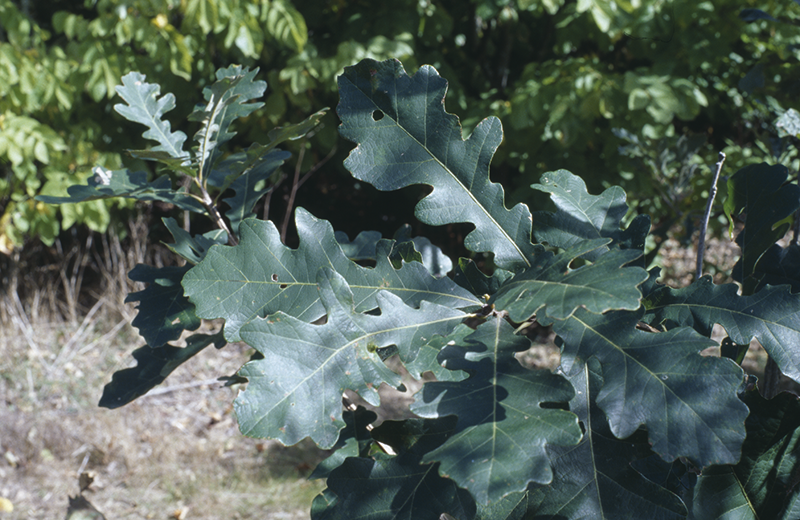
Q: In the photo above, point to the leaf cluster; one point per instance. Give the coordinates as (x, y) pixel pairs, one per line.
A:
(637, 421)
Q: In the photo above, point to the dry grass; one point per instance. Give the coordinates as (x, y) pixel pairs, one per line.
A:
(174, 454)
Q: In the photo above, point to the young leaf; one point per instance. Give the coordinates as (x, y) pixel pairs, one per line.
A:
(405, 137)
(582, 216)
(498, 445)
(108, 184)
(765, 482)
(146, 108)
(688, 402)
(226, 101)
(770, 315)
(594, 480)
(550, 284)
(261, 276)
(192, 248)
(163, 311)
(296, 389)
(152, 368)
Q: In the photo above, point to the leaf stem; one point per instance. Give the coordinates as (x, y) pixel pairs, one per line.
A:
(701, 245)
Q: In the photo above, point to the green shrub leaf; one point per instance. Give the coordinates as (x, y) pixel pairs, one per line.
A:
(296, 389)
(163, 311)
(582, 216)
(261, 276)
(405, 137)
(595, 479)
(687, 401)
(770, 316)
(145, 107)
(109, 184)
(498, 445)
(551, 286)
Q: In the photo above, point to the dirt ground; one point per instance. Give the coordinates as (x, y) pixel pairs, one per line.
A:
(174, 454)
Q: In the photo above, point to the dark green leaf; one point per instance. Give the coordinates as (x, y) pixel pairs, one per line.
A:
(395, 488)
(766, 481)
(594, 480)
(153, 367)
(581, 216)
(770, 315)
(469, 276)
(498, 445)
(549, 288)
(687, 401)
(296, 390)
(405, 137)
(249, 187)
(354, 441)
(108, 184)
(192, 248)
(261, 276)
(163, 311)
(778, 266)
(761, 193)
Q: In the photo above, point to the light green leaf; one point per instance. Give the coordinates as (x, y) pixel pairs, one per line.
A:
(296, 389)
(261, 276)
(145, 107)
(550, 289)
(405, 137)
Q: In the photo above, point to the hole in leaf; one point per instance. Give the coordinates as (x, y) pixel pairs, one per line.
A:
(554, 406)
(283, 286)
(274, 277)
(377, 115)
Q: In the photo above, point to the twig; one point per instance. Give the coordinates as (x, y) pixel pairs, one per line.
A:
(293, 192)
(701, 246)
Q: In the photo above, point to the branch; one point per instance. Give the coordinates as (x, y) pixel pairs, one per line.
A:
(701, 246)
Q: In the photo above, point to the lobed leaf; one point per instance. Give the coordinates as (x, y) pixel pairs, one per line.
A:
(760, 191)
(145, 107)
(296, 389)
(687, 401)
(764, 483)
(498, 445)
(405, 137)
(152, 368)
(250, 186)
(261, 276)
(163, 311)
(594, 479)
(395, 487)
(582, 216)
(770, 316)
(550, 289)
(109, 184)
(192, 248)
